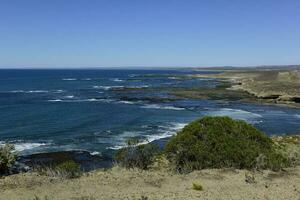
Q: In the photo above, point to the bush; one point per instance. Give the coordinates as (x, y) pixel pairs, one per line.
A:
(136, 156)
(7, 158)
(216, 142)
(197, 187)
(66, 169)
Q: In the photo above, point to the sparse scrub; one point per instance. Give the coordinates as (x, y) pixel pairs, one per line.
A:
(144, 198)
(84, 198)
(197, 186)
(250, 178)
(289, 147)
(136, 156)
(39, 198)
(67, 169)
(217, 142)
(7, 158)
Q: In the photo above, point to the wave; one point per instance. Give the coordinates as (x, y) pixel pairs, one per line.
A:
(164, 132)
(126, 102)
(55, 100)
(117, 80)
(138, 86)
(29, 91)
(59, 91)
(23, 146)
(173, 78)
(86, 79)
(35, 91)
(156, 106)
(69, 96)
(238, 114)
(27, 146)
(107, 87)
(297, 116)
(81, 100)
(69, 79)
(173, 128)
(94, 153)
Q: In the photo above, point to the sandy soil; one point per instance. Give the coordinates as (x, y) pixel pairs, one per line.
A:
(275, 86)
(118, 183)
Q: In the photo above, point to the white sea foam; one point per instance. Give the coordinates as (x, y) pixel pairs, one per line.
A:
(95, 153)
(117, 80)
(69, 79)
(172, 129)
(297, 116)
(86, 79)
(156, 106)
(165, 131)
(58, 91)
(126, 102)
(81, 100)
(173, 78)
(69, 96)
(107, 87)
(55, 100)
(138, 86)
(27, 146)
(29, 91)
(237, 114)
(22, 146)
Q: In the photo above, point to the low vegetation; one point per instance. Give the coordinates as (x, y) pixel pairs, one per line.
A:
(7, 158)
(197, 186)
(66, 170)
(217, 142)
(136, 156)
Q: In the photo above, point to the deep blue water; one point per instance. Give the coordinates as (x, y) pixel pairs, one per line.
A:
(53, 110)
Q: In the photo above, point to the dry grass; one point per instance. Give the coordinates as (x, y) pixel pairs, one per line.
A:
(119, 183)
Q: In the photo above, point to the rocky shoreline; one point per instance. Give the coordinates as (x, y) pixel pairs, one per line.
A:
(276, 86)
(86, 161)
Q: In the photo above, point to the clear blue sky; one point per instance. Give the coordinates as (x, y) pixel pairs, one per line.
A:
(95, 33)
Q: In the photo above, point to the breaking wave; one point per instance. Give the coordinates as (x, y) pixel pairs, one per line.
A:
(156, 106)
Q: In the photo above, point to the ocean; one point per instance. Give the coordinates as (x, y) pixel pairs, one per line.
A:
(98, 110)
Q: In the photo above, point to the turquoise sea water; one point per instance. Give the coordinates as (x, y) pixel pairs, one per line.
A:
(56, 110)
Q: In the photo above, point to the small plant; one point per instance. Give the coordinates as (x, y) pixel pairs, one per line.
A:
(136, 156)
(250, 178)
(197, 186)
(67, 169)
(144, 198)
(7, 158)
(84, 198)
(38, 198)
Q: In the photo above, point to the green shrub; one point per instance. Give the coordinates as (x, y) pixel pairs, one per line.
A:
(216, 142)
(66, 169)
(7, 157)
(197, 187)
(136, 156)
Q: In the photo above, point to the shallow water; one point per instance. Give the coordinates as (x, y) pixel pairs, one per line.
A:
(57, 110)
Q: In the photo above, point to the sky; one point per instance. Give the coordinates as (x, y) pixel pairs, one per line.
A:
(153, 33)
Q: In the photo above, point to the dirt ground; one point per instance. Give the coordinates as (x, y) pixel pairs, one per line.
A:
(118, 183)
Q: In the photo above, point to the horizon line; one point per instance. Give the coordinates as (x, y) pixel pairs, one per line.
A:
(152, 67)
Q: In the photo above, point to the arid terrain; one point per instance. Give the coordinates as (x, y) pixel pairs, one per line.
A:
(270, 85)
(119, 183)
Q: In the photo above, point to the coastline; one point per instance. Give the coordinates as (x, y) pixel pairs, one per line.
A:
(269, 86)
